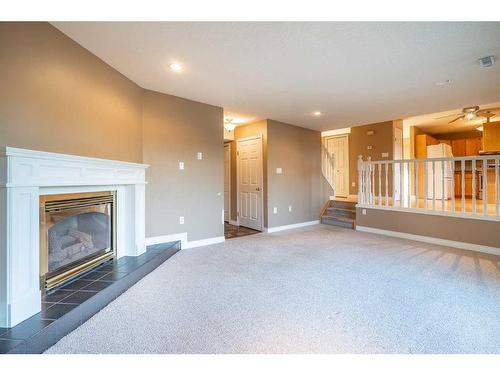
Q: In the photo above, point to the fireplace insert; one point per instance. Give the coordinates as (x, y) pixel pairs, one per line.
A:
(77, 233)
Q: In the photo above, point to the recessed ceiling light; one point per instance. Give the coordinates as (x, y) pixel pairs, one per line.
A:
(176, 67)
(317, 113)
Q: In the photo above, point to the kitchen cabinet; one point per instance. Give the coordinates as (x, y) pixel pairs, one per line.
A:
(458, 147)
(473, 146)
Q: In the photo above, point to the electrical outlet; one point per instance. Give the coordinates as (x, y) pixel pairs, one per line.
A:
(181, 219)
(290, 208)
(279, 171)
(275, 210)
(364, 211)
(181, 165)
(199, 156)
(353, 184)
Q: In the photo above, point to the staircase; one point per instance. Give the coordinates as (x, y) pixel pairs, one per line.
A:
(340, 213)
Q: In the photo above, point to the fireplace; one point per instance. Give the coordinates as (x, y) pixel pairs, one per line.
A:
(77, 233)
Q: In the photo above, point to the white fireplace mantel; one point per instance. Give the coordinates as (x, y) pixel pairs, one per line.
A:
(27, 174)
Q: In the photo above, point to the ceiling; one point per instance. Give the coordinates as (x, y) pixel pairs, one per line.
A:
(433, 124)
(353, 72)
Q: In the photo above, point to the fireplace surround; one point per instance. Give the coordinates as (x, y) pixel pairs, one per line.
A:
(25, 177)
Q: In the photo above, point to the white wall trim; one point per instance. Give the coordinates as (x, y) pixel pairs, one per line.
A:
(168, 238)
(291, 226)
(234, 222)
(432, 240)
(430, 212)
(341, 131)
(185, 244)
(205, 242)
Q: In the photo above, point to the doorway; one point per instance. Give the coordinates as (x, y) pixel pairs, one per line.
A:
(250, 182)
(338, 146)
(227, 181)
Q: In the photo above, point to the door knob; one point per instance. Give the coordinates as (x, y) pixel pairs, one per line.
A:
(257, 189)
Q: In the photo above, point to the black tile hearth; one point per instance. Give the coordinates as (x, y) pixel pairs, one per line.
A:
(67, 307)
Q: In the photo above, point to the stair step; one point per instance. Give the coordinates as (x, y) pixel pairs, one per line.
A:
(341, 212)
(338, 221)
(343, 204)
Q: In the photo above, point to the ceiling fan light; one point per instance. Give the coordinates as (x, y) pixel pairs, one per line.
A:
(469, 116)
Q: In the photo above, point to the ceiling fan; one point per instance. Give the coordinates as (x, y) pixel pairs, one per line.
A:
(470, 113)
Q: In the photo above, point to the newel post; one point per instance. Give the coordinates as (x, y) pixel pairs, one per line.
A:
(360, 180)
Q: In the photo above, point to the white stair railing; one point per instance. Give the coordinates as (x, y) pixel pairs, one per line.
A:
(457, 186)
(328, 166)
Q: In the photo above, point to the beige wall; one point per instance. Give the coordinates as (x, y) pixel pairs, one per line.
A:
(175, 130)
(57, 96)
(381, 141)
(298, 152)
(480, 232)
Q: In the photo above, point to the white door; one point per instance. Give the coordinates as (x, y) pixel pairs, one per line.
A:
(339, 148)
(398, 155)
(250, 183)
(227, 181)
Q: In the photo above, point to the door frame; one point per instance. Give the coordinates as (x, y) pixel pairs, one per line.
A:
(346, 136)
(259, 137)
(228, 144)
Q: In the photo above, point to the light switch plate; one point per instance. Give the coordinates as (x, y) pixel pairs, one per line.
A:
(364, 211)
(369, 147)
(290, 208)
(353, 184)
(275, 210)
(385, 154)
(181, 219)
(181, 165)
(279, 171)
(199, 155)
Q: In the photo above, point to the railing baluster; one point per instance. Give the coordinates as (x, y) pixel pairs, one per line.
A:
(416, 183)
(424, 184)
(393, 184)
(452, 165)
(433, 185)
(485, 187)
(372, 182)
(401, 174)
(408, 185)
(387, 184)
(379, 184)
(361, 198)
(463, 185)
(473, 186)
(497, 204)
(442, 185)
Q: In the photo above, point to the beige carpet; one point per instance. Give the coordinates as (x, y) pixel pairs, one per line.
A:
(315, 290)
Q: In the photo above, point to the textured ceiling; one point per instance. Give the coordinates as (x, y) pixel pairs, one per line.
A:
(355, 73)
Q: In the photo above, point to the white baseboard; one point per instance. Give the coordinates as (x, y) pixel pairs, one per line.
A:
(234, 222)
(185, 244)
(432, 240)
(291, 226)
(204, 242)
(168, 238)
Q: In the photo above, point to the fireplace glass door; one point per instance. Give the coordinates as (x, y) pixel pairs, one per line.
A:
(77, 233)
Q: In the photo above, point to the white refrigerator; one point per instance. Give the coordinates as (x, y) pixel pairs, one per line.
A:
(436, 176)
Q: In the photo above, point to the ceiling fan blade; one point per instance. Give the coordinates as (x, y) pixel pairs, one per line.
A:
(458, 118)
(454, 114)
